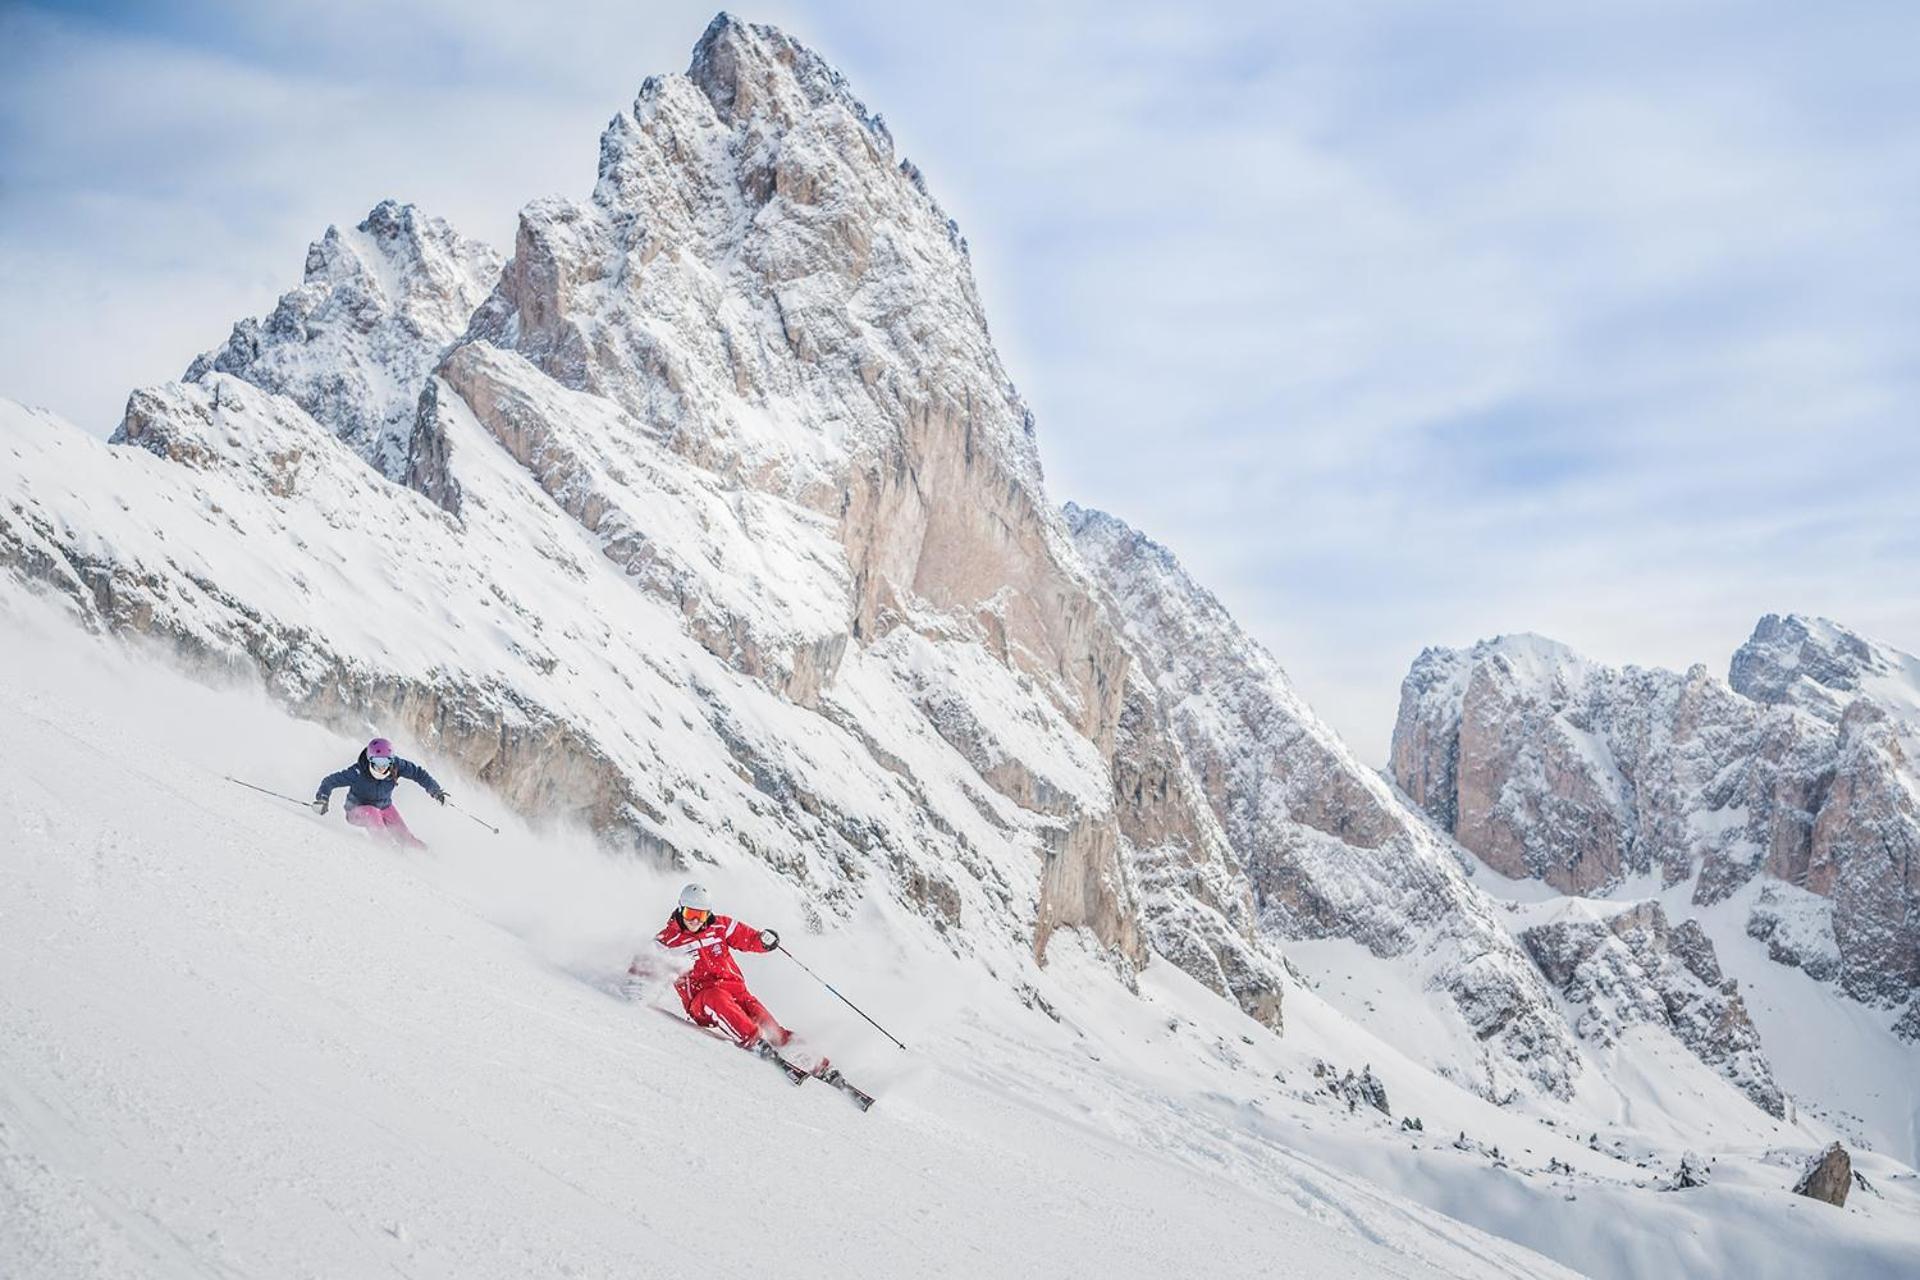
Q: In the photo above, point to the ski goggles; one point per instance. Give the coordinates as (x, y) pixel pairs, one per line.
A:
(380, 764)
(694, 917)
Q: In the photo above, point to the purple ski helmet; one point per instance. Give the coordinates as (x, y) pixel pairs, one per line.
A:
(380, 747)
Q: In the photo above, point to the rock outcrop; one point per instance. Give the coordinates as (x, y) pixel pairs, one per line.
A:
(1828, 1177)
(1634, 967)
(1552, 767)
(355, 343)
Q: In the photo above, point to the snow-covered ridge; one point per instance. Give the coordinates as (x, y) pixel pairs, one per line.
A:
(1327, 847)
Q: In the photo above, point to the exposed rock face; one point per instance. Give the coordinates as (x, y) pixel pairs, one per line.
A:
(1552, 767)
(1865, 856)
(1637, 968)
(1328, 849)
(1533, 756)
(354, 344)
(1812, 664)
(1862, 852)
(1198, 903)
(1829, 1177)
(760, 280)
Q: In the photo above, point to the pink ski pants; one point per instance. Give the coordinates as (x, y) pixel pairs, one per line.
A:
(387, 820)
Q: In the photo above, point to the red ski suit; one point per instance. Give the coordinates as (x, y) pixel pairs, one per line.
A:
(714, 990)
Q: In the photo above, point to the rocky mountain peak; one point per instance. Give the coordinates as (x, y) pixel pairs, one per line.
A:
(1808, 662)
(759, 278)
(353, 345)
(762, 288)
(749, 69)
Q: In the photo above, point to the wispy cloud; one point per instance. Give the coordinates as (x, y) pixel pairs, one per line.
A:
(1402, 324)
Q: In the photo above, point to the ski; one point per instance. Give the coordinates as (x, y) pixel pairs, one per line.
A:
(795, 1074)
(860, 1097)
(824, 1071)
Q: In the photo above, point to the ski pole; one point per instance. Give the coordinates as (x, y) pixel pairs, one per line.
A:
(304, 804)
(488, 825)
(843, 1000)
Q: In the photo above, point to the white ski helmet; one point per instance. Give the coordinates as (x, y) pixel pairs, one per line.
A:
(696, 897)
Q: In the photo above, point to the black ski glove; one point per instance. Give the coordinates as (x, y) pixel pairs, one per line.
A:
(769, 939)
(320, 804)
(441, 797)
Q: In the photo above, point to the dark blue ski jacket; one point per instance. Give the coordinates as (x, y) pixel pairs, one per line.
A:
(363, 788)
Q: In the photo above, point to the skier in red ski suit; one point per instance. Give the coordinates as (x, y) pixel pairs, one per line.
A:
(714, 991)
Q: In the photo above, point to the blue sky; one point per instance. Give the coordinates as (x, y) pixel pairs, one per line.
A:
(1402, 324)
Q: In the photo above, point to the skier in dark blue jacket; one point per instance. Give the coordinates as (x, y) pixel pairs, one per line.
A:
(370, 781)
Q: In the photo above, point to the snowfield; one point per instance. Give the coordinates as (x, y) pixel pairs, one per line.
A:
(237, 1039)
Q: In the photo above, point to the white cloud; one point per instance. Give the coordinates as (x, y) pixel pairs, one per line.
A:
(1401, 325)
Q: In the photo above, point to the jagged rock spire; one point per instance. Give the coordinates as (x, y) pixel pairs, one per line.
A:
(355, 343)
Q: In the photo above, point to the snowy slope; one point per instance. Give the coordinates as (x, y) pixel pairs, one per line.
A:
(238, 1040)
(237, 1037)
(720, 527)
